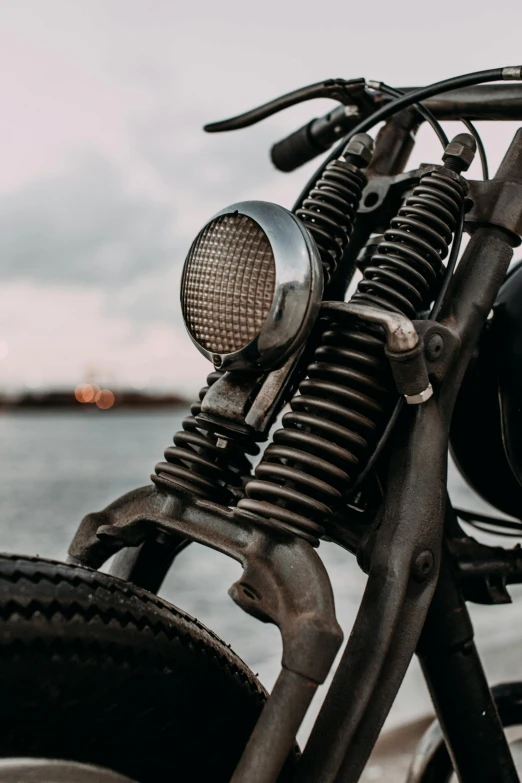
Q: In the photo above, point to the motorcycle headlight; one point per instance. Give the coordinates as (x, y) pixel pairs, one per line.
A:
(251, 286)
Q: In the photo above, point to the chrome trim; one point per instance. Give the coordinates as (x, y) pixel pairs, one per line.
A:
(297, 294)
(15, 770)
(512, 73)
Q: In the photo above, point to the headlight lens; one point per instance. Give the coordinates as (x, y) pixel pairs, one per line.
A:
(251, 286)
(229, 282)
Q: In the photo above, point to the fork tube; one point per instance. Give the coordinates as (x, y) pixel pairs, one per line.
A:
(459, 689)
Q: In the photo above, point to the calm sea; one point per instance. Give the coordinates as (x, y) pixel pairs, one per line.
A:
(55, 468)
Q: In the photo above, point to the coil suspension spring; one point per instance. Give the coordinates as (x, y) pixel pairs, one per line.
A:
(346, 400)
(202, 463)
(329, 209)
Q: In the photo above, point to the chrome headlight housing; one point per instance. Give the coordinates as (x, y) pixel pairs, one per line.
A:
(251, 286)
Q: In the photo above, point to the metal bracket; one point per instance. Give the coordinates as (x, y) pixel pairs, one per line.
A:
(384, 194)
(496, 203)
(404, 348)
(284, 582)
(245, 404)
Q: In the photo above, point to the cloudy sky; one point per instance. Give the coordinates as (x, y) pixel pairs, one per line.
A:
(105, 173)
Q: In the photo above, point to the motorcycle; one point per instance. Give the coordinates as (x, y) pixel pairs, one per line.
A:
(105, 681)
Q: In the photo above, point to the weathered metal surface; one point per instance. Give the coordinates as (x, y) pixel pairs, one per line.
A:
(283, 582)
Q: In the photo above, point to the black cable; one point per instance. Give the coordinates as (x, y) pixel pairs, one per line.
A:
(480, 146)
(450, 268)
(379, 447)
(422, 110)
(437, 127)
(391, 108)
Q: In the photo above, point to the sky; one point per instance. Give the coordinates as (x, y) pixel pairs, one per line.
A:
(106, 175)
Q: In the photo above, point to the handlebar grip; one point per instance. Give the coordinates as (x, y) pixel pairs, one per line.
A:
(314, 138)
(297, 149)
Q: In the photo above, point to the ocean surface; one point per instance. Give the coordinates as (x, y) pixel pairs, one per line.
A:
(55, 468)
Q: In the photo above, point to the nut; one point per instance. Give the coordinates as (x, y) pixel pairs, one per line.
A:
(359, 149)
(423, 396)
(461, 148)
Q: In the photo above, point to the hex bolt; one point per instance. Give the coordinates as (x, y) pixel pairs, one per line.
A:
(460, 152)
(434, 348)
(423, 565)
(359, 150)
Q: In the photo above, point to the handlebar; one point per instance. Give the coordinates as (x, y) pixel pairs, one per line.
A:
(496, 102)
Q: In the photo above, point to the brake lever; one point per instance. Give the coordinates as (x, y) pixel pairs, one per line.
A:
(347, 92)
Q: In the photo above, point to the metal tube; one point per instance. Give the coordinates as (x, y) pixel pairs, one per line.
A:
(148, 564)
(481, 271)
(274, 734)
(459, 689)
(482, 102)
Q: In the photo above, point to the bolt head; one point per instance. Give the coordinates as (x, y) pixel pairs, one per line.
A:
(423, 565)
(434, 347)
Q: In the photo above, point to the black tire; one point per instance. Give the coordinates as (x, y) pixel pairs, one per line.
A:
(96, 670)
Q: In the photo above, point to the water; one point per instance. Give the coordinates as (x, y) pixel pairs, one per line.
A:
(55, 468)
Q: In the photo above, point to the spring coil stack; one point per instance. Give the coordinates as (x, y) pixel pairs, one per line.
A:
(345, 402)
(330, 208)
(197, 462)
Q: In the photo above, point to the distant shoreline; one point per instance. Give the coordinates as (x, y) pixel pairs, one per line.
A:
(61, 401)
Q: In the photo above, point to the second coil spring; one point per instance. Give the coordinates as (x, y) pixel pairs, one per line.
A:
(329, 211)
(197, 463)
(345, 402)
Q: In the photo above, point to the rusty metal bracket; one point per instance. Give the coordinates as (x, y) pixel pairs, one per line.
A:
(284, 582)
(496, 203)
(384, 194)
(404, 347)
(246, 404)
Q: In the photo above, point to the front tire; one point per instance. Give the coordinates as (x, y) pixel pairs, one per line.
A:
(99, 671)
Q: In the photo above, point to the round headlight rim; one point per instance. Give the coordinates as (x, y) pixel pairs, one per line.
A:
(276, 340)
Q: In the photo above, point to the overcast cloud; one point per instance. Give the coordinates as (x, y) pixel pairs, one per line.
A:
(106, 175)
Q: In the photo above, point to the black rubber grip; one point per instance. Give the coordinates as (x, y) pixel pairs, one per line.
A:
(297, 149)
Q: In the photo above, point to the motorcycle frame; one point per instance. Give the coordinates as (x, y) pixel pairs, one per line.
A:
(421, 566)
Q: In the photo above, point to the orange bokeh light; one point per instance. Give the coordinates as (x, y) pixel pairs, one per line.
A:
(104, 399)
(86, 392)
